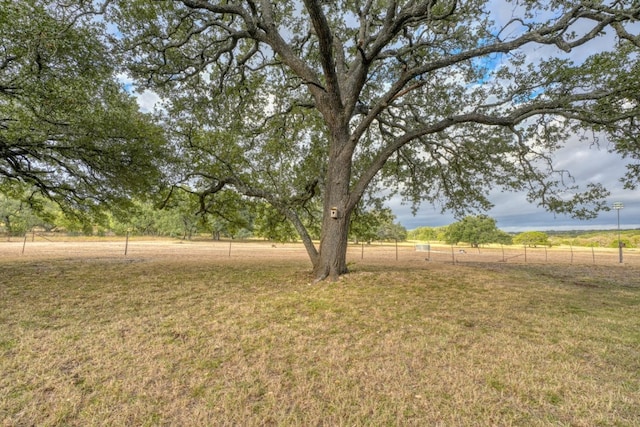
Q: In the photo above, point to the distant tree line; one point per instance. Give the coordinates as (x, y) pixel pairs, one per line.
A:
(479, 230)
(181, 217)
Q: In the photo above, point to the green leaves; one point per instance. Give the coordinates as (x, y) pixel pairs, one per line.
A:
(67, 127)
(532, 239)
(476, 230)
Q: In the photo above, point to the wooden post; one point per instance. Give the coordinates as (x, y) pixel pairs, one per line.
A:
(24, 243)
(396, 249)
(126, 243)
(571, 247)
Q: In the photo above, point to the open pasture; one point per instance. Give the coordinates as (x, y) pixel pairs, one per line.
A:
(213, 333)
(51, 246)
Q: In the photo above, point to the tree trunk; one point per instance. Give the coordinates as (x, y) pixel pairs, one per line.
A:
(332, 257)
(7, 226)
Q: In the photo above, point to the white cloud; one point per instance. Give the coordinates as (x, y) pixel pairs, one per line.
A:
(147, 100)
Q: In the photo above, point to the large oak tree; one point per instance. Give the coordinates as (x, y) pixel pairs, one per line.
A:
(438, 100)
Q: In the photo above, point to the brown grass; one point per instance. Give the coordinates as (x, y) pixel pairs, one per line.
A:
(184, 334)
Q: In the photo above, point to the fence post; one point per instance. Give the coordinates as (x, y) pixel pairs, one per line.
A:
(396, 249)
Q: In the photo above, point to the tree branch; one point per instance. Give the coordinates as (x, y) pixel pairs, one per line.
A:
(548, 34)
(518, 115)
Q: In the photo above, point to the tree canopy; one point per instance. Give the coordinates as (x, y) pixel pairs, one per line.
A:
(68, 129)
(476, 230)
(376, 224)
(426, 233)
(303, 103)
(532, 238)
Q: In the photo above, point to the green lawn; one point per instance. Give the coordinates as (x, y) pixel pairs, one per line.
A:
(161, 342)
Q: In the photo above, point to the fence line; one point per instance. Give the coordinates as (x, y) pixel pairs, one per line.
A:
(35, 245)
(524, 254)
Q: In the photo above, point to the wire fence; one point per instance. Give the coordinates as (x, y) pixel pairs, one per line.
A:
(524, 254)
(453, 254)
(41, 245)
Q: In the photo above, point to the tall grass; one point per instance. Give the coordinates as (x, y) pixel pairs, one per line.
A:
(161, 342)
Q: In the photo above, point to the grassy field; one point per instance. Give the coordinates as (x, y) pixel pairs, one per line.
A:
(186, 338)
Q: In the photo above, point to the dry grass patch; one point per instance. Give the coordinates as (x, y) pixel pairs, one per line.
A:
(188, 342)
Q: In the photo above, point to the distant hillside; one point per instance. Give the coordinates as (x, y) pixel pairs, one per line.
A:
(590, 238)
(595, 238)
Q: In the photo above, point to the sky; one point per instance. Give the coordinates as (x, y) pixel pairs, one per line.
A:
(512, 212)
